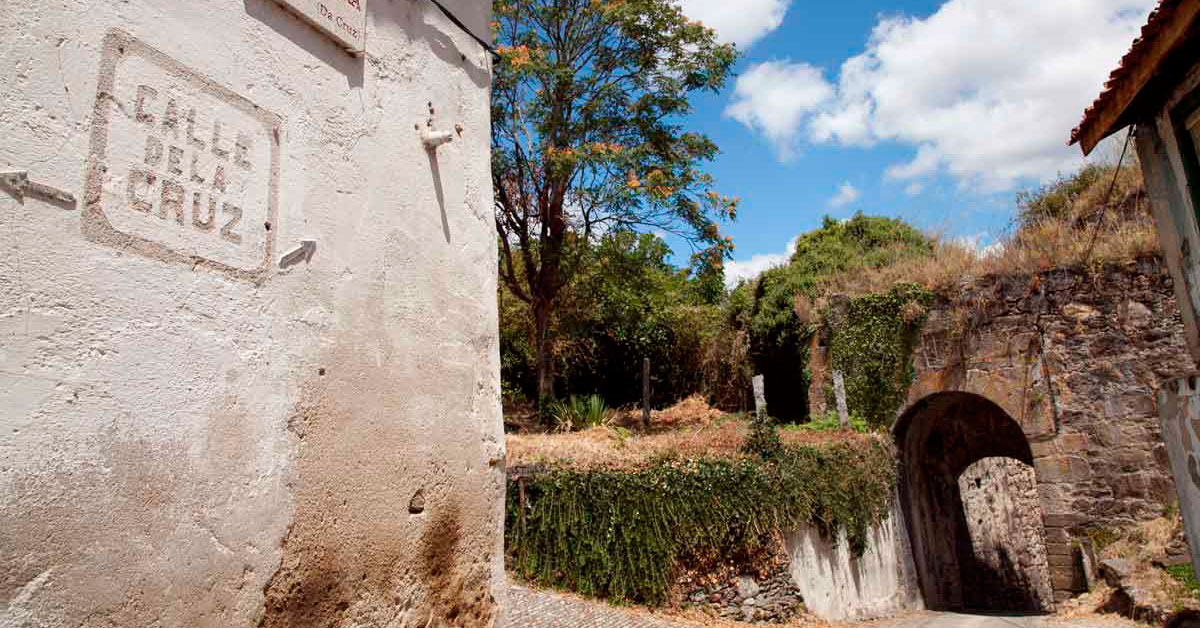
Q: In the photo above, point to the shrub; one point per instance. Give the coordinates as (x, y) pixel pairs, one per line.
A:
(579, 413)
(622, 535)
(776, 310)
(764, 440)
(627, 302)
(1056, 200)
(1184, 575)
(831, 422)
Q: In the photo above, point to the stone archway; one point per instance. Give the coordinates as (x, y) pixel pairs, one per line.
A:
(939, 438)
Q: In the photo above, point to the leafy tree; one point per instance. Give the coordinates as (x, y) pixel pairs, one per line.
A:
(586, 139)
(860, 242)
(626, 302)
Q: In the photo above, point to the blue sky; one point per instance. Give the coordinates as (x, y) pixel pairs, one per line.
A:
(937, 112)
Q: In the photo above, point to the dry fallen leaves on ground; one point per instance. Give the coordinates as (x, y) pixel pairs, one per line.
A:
(691, 429)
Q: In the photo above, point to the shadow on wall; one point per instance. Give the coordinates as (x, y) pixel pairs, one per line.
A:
(837, 585)
(299, 32)
(442, 36)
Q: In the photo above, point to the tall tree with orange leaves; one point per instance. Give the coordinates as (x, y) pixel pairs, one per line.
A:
(589, 101)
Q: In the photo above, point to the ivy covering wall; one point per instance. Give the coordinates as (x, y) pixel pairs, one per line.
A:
(872, 342)
(777, 310)
(621, 535)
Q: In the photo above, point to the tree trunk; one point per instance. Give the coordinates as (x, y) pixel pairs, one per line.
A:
(545, 360)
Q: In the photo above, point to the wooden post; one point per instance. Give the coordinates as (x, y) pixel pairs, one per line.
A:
(760, 398)
(839, 391)
(646, 393)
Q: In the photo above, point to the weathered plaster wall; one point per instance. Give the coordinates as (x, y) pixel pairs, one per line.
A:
(191, 435)
(836, 585)
(1004, 518)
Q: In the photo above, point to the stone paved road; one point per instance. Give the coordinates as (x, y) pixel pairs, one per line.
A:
(955, 620)
(537, 609)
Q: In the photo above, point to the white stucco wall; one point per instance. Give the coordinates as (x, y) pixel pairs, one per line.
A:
(837, 585)
(191, 435)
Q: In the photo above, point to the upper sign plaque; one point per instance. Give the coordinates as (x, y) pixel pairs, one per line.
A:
(343, 20)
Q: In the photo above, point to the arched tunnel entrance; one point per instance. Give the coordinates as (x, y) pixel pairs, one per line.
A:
(970, 502)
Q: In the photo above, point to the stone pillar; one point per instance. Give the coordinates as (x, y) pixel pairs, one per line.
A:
(819, 372)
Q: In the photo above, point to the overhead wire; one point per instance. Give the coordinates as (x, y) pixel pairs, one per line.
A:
(1107, 198)
(459, 23)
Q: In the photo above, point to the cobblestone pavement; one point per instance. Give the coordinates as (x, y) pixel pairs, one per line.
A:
(955, 620)
(538, 609)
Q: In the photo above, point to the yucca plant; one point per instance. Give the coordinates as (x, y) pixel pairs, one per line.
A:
(578, 413)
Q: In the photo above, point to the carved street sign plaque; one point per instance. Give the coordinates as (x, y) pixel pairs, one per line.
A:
(343, 20)
(181, 169)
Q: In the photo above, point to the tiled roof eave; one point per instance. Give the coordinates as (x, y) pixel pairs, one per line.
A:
(1167, 26)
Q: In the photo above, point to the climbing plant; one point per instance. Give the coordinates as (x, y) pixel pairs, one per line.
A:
(872, 342)
(621, 535)
(768, 308)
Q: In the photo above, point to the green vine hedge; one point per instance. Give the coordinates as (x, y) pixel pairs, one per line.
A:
(622, 535)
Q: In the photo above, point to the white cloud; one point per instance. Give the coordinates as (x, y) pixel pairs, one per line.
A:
(736, 271)
(971, 241)
(846, 194)
(984, 91)
(995, 248)
(925, 163)
(975, 243)
(774, 98)
(740, 22)
(915, 188)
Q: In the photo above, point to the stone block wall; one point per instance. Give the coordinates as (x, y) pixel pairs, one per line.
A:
(770, 598)
(1075, 357)
(1004, 517)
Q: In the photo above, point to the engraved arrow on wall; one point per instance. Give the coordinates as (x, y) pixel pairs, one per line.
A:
(18, 184)
(302, 253)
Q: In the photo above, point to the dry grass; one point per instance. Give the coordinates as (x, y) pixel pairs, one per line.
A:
(1142, 546)
(1145, 543)
(1123, 232)
(1085, 605)
(698, 432)
(691, 412)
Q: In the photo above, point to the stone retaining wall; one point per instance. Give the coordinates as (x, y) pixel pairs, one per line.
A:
(770, 599)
